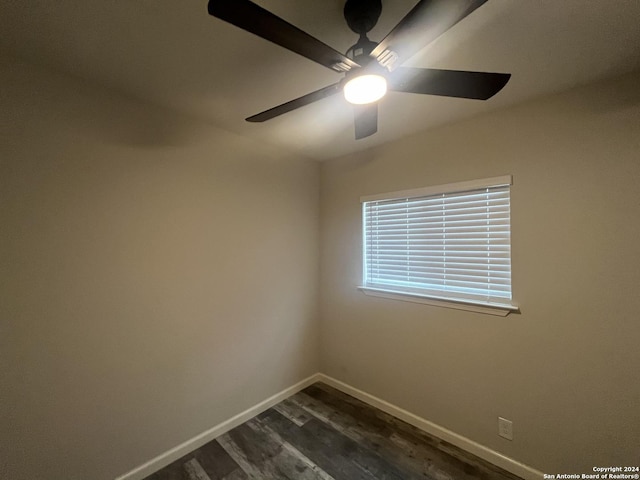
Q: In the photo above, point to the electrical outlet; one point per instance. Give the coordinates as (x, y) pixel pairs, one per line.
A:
(505, 428)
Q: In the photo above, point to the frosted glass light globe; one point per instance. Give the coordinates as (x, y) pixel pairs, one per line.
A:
(365, 89)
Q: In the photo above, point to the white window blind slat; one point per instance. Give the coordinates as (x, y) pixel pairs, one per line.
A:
(384, 230)
(494, 203)
(451, 198)
(395, 214)
(453, 278)
(498, 270)
(441, 270)
(452, 245)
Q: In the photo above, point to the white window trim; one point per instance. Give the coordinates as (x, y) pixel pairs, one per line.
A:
(498, 309)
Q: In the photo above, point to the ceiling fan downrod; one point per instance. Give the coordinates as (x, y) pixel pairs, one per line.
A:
(361, 16)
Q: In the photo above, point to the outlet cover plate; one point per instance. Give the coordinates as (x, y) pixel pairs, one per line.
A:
(505, 428)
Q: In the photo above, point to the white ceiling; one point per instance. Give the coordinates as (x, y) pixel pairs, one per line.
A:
(172, 53)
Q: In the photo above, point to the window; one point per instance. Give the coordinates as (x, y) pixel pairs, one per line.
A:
(449, 245)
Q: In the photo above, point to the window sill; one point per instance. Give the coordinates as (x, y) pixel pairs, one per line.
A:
(501, 310)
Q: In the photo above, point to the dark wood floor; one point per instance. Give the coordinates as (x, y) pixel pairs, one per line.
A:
(323, 434)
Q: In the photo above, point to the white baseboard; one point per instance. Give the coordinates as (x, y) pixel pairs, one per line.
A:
(164, 459)
(491, 456)
(524, 471)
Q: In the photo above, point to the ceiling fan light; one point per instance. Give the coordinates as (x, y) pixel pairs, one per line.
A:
(365, 89)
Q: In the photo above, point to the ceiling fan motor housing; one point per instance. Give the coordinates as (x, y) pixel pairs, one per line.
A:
(359, 52)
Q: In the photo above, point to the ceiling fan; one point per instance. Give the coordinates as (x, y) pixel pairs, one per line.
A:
(369, 68)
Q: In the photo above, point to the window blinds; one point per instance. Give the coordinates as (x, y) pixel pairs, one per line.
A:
(448, 245)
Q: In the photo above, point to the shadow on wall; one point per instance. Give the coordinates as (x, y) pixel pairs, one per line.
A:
(101, 113)
(617, 100)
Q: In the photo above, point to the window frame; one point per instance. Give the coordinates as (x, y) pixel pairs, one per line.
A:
(492, 308)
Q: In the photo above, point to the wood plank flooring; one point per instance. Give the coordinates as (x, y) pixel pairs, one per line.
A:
(323, 434)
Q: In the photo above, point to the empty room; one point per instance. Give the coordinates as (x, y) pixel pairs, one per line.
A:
(336, 240)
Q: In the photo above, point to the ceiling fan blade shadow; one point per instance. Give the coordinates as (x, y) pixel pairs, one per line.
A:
(255, 19)
(365, 120)
(448, 83)
(296, 103)
(422, 25)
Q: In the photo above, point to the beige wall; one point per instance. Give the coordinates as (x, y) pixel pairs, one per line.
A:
(565, 371)
(158, 276)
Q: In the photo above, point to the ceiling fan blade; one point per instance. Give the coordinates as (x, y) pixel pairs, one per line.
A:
(297, 103)
(422, 25)
(448, 83)
(255, 19)
(365, 120)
